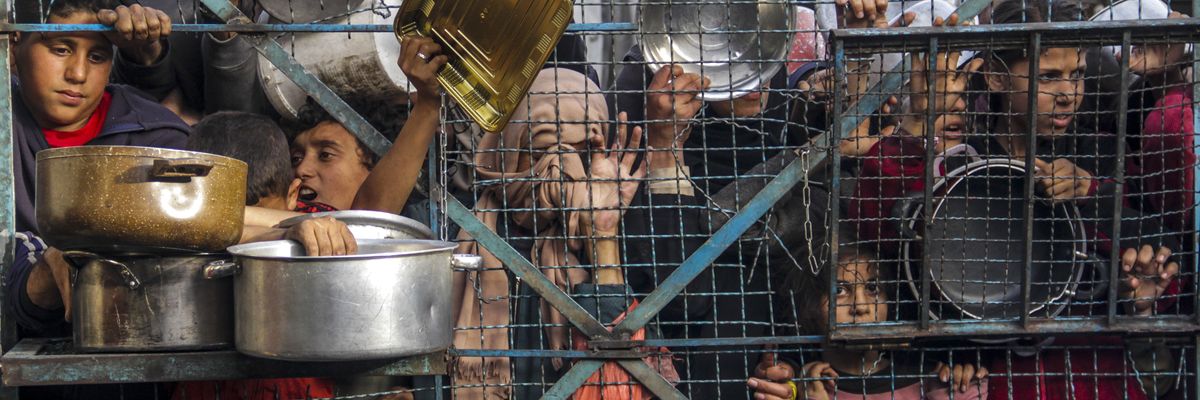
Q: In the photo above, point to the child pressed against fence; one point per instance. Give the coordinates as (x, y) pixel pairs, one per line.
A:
(854, 374)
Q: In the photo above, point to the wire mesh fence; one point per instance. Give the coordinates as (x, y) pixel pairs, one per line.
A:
(792, 205)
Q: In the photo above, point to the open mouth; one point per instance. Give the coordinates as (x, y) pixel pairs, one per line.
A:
(307, 194)
(952, 130)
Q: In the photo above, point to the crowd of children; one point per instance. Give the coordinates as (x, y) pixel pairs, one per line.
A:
(653, 163)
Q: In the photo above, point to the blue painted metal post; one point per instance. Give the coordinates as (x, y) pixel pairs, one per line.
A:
(280, 28)
(8, 327)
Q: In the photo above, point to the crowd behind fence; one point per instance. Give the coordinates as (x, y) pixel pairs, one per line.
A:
(865, 219)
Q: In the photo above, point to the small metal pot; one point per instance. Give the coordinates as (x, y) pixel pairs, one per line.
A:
(392, 299)
(149, 303)
(139, 199)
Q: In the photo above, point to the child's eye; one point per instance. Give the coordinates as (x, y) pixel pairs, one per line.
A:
(872, 288)
(297, 159)
(98, 58)
(842, 290)
(60, 50)
(325, 156)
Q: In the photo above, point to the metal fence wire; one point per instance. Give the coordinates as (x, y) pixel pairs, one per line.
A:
(961, 211)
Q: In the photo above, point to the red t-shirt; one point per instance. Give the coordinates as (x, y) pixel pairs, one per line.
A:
(81, 136)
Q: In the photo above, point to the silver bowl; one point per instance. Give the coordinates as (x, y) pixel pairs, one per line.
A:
(738, 44)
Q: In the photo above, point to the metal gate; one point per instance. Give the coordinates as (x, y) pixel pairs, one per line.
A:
(707, 282)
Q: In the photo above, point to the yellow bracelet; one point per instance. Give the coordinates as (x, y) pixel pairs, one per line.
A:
(795, 390)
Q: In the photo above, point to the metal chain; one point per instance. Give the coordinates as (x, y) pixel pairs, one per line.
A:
(806, 197)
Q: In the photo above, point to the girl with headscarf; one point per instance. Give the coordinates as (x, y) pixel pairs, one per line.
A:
(537, 192)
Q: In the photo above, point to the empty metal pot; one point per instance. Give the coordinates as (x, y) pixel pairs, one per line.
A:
(149, 303)
(392, 299)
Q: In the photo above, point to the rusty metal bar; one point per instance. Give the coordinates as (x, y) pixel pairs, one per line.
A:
(909, 331)
(834, 139)
(1114, 270)
(927, 214)
(1034, 51)
(1055, 34)
(37, 362)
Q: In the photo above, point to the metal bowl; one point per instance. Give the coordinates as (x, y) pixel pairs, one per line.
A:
(739, 45)
(370, 224)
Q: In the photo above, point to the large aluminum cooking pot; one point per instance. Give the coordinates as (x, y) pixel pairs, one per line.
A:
(149, 303)
(124, 198)
(392, 299)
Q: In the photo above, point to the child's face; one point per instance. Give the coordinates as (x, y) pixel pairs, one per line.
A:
(1060, 89)
(859, 297)
(63, 75)
(949, 127)
(329, 164)
(1150, 59)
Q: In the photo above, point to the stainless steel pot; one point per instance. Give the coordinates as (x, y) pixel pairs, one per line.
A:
(392, 299)
(139, 199)
(370, 224)
(149, 303)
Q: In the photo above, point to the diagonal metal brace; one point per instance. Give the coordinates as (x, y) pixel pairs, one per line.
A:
(522, 268)
(305, 80)
(714, 247)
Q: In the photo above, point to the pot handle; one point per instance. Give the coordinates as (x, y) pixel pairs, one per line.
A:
(78, 259)
(900, 213)
(180, 168)
(221, 269)
(466, 261)
(1100, 288)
